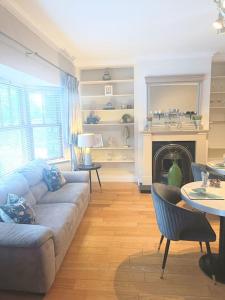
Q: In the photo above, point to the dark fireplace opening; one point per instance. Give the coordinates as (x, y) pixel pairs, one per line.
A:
(163, 155)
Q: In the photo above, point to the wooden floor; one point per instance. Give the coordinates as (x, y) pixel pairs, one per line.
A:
(113, 255)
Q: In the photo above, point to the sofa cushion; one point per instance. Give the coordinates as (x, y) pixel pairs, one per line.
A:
(33, 171)
(17, 184)
(53, 178)
(39, 190)
(16, 210)
(70, 193)
(60, 218)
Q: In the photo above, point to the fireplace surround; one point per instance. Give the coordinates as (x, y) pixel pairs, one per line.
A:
(163, 154)
(198, 150)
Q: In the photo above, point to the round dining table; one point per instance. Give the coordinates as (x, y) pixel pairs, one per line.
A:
(215, 166)
(214, 207)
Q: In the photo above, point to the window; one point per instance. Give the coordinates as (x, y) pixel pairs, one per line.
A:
(30, 124)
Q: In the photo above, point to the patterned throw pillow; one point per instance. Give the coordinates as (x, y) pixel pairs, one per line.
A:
(53, 178)
(17, 210)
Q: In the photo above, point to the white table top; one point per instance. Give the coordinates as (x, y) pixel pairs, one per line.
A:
(215, 207)
(211, 165)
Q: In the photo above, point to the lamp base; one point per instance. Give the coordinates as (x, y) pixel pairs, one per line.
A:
(87, 159)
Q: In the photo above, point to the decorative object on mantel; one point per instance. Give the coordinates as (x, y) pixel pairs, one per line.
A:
(219, 24)
(172, 119)
(92, 118)
(109, 106)
(126, 136)
(190, 114)
(106, 76)
(175, 174)
(126, 118)
(108, 90)
(197, 120)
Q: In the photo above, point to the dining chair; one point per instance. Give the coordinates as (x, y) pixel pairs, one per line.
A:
(173, 195)
(197, 169)
(177, 223)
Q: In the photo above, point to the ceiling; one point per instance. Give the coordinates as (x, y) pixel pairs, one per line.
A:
(99, 31)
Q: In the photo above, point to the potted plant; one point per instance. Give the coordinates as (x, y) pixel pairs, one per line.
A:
(197, 120)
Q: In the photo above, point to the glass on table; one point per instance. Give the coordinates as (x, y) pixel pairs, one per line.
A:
(205, 177)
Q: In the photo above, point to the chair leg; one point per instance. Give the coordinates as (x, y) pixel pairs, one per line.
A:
(211, 260)
(201, 249)
(165, 257)
(160, 242)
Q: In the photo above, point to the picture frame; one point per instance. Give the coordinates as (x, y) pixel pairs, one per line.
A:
(108, 90)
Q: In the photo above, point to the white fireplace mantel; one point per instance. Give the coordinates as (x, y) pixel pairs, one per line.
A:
(201, 147)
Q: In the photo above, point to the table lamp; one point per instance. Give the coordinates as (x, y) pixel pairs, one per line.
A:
(86, 141)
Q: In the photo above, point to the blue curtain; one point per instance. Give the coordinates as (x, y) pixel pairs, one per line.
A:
(73, 118)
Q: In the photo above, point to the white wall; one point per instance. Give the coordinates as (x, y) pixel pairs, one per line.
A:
(174, 66)
(13, 55)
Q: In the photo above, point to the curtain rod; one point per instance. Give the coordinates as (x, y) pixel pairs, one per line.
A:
(31, 52)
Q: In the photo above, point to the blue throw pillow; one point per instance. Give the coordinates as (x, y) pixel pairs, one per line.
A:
(53, 178)
(17, 210)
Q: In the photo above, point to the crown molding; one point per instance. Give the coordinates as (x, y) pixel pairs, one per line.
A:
(14, 9)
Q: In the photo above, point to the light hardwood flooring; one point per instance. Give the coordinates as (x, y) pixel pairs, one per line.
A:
(114, 255)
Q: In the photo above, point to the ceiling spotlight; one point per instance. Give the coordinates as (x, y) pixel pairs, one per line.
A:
(219, 24)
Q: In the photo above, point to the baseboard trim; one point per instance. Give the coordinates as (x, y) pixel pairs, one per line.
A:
(144, 189)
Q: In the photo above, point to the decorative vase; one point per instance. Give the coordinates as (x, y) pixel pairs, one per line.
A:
(197, 124)
(175, 175)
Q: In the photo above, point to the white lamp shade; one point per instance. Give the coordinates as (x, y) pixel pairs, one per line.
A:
(86, 140)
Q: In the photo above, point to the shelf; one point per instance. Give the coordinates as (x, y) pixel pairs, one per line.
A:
(114, 161)
(217, 107)
(113, 148)
(111, 124)
(118, 162)
(223, 92)
(217, 122)
(103, 96)
(108, 110)
(218, 77)
(106, 81)
(214, 158)
(217, 148)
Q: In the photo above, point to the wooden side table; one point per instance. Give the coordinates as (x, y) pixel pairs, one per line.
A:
(93, 167)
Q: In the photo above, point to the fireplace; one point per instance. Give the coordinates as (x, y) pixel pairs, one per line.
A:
(196, 142)
(163, 154)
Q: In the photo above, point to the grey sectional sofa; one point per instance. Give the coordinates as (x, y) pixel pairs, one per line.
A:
(30, 255)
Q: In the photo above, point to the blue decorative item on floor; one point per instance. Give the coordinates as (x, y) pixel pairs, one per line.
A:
(175, 175)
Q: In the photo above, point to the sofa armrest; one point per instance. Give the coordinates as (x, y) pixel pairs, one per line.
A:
(76, 176)
(23, 235)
